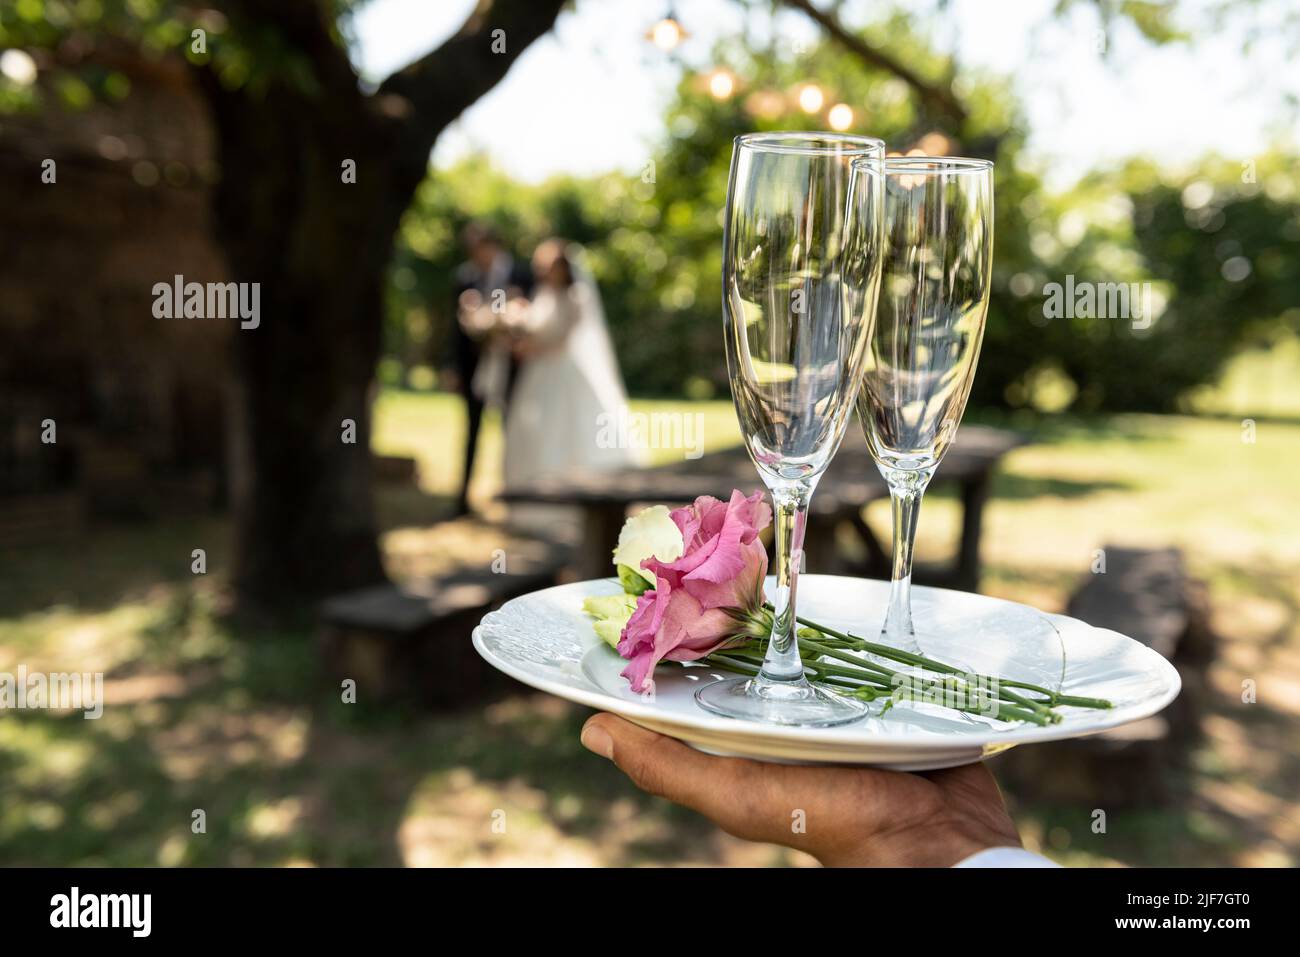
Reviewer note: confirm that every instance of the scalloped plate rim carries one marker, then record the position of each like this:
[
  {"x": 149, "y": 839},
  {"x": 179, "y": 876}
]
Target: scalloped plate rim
[{"x": 841, "y": 738}]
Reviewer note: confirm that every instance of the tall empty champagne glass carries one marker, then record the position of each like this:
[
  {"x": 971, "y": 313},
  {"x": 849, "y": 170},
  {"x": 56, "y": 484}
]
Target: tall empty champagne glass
[
  {"x": 934, "y": 294},
  {"x": 801, "y": 263}
]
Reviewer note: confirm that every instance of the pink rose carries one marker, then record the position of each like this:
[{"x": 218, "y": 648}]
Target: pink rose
[{"x": 722, "y": 567}]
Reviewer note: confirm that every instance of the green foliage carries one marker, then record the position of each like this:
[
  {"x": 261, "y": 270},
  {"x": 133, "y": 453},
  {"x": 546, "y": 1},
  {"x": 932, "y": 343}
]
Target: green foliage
[
  {"x": 1218, "y": 250},
  {"x": 1233, "y": 263},
  {"x": 633, "y": 582},
  {"x": 653, "y": 241},
  {"x": 1154, "y": 19},
  {"x": 246, "y": 54},
  {"x": 653, "y": 235}
]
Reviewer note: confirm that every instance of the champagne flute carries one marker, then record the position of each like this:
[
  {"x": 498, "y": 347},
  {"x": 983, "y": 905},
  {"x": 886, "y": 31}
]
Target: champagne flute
[
  {"x": 934, "y": 295},
  {"x": 801, "y": 266}
]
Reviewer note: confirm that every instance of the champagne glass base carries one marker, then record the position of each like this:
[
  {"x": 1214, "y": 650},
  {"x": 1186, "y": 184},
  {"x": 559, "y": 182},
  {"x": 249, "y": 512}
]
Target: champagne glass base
[
  {"x": 915, "y": 641},
  {"x": 795, "y": 703}
]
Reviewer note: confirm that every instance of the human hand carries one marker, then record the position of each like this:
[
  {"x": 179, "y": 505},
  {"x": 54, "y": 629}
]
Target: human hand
[
  {"x": 469, "y": 300},
  {"x": 516, "y": 314},
  {"x": 851, "y": 817},
  {"x": 475, "y": 318}
]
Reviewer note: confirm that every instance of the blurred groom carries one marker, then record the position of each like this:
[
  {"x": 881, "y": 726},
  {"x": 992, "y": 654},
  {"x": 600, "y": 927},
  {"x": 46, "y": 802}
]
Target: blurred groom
[{"x": 493, "y": 274}]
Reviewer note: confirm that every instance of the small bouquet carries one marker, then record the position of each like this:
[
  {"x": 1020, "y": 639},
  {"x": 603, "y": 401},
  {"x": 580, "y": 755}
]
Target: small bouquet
[{"x": 693, "y": 591}]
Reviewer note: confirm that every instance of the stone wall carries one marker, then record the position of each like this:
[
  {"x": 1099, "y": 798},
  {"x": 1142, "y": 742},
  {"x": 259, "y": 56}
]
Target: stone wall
[{"x": 137, "y": 401}]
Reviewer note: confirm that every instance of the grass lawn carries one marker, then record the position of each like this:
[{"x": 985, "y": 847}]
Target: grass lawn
[
  {"x": 1261, "y": 383},
  {"x": 431, "y": 428},
  {"x": 240, "y": 726}
]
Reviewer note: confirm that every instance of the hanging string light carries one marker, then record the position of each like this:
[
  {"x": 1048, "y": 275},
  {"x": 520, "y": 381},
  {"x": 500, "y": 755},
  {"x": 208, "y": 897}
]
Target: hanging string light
[
  {"x": 765, "y": 104},
  {"x": 668, "y": 33},
  {"x": 840, "y": 116},
  {"x": 722, "y": 84},
  {"x": 810, "y": 97},
  {"x": 933, "y": 143}
]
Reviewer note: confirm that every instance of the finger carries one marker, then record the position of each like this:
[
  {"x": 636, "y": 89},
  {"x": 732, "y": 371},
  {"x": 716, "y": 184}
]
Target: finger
[
  {"x": 728, "y": 791},
  {"x": 972, "y": 791},
  {"x": 974, "y": 780}
]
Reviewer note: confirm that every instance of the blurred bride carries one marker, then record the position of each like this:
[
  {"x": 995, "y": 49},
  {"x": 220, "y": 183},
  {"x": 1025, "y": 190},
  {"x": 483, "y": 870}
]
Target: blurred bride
[{"x": 569, "y": 388}]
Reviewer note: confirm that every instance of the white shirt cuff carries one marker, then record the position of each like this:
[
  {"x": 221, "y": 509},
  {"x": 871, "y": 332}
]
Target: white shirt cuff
[{"x": 1006, "y": 857}]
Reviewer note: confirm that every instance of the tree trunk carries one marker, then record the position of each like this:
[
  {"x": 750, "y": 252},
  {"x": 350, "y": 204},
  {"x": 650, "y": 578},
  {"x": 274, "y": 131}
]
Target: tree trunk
[
  {"x": 318, "y": 247},
  {"x": 302, "y": 496}
]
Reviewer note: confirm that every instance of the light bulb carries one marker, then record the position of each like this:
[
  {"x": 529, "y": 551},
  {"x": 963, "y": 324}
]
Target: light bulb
[
  {"x": 666, "y": 34},
  {"x": 811, "y": 98},
  {"x": 840, "y": 117}
]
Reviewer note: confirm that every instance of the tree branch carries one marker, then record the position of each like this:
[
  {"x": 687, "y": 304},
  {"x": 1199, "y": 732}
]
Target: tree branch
[
  {"x": 937, "y": 97},
  {"x": 306, "y": 26},
  {"x": 441, "y": 85}
]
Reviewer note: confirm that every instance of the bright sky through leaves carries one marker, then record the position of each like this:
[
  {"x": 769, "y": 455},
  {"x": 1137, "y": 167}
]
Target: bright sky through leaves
[{"x": 590, "y": 97}]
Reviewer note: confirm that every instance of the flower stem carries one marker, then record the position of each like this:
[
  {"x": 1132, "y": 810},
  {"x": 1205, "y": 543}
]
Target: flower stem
[
  {"x": 932, "y": 687},
  {"x": 882, "y": 682},
  {"x": 1035, "y": 707},
  {"x": 848, "y": 673},
  {"x": 916, "y": 660}
]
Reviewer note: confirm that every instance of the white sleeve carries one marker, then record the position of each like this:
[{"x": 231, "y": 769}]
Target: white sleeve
[
  {"x": 1006, "y": 857},
  {"x": 551, "y": 319}
]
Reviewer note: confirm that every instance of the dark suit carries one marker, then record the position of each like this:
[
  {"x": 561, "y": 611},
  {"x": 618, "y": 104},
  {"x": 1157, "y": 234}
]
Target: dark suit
[{"x": 467, "y": 351}]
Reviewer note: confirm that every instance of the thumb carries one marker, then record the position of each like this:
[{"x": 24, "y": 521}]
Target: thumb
[{"x": 666, "y": 768}]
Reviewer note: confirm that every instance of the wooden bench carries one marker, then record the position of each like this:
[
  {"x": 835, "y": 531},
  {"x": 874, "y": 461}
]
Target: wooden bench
[
  {"x": 410, "y": 641},
  {"x": 851, "y": 481},
  {"x": 27, "y": 520},
  {"x": 396, "y": 470},
  {"x": 1147, "y": 595}
]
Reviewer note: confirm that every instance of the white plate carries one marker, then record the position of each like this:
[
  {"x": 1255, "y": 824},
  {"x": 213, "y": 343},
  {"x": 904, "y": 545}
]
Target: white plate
[{"x": 545, "y": 640}]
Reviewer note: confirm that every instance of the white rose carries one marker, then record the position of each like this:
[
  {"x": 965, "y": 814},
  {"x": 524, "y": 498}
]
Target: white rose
[{"x": 650, "y": 532}]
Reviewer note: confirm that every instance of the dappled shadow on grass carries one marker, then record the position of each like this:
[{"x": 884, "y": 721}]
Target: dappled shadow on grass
[
  {"x": 179, "y": 733},
  {"x": 1271, "y": 732},
  {"x": 1271, "y": 582},
  {"x": 1234, "y": 802},
  {"x": 1045, "y": 587},
  {"x": 108, "y": 564},
  {"x": 1233, "y": 810},
  {"x": 239, "y": 725},
  {"x": 522, "y": 758},
  {"x": 402, "y": 506},
  {"x": 1138, "y": 837},
  {"x": 277, "y": 788},
  {"x": 216, "y": 715},
  {"x": 1012, "y": 485},
  {"x": 1043, "y": 429}
]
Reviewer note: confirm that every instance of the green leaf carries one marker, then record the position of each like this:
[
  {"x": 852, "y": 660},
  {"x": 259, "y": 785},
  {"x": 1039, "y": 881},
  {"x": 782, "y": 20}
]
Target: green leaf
[
  {"x": 609, "y": 632},
  {"x": 611, "y": 613},
  {"x": 633, "y": 581}
]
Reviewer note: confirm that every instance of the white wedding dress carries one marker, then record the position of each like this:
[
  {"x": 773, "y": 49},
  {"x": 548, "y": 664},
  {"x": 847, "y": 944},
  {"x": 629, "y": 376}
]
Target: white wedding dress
[{"x": 568, "y": 398}]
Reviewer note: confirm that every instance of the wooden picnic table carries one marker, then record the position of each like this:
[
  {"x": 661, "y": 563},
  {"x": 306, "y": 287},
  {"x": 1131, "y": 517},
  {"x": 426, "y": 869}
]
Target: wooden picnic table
[{"x": 851, "y": 481}]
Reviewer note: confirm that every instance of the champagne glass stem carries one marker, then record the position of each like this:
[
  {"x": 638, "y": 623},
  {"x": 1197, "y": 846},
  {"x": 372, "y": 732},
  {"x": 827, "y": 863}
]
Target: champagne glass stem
[
  {"x": 782, "y": 663},
  {"x": 906, "y": 489}
]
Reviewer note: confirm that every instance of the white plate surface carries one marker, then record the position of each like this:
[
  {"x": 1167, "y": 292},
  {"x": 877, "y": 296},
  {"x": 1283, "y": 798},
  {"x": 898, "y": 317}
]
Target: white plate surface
[{"x": 545, "y": 640}]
